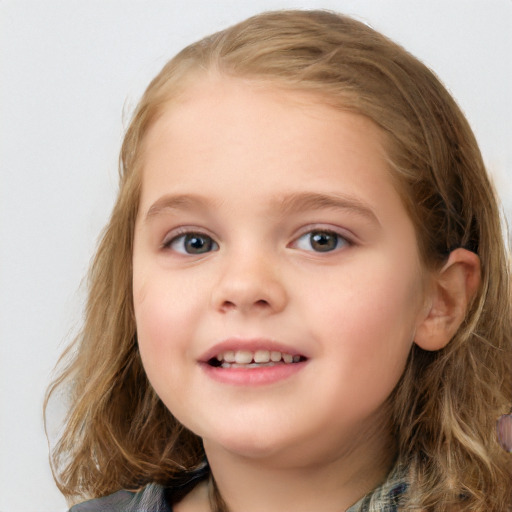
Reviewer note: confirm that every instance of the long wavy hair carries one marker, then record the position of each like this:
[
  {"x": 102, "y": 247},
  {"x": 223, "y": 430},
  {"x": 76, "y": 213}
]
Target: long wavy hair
[{"x": 118, "y": 434}]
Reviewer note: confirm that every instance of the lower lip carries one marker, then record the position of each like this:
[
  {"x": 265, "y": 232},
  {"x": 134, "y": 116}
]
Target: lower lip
[{"x": 261, "y": 376}]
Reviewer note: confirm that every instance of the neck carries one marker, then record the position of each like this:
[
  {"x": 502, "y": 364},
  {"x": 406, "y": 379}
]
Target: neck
[{"x": 286, "y": 483}]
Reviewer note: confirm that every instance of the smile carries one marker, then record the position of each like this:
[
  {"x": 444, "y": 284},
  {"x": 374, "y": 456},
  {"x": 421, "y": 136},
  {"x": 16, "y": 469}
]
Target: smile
[
  {"x": 250, "y": 359},
  {"x": 252, "y": 362}
]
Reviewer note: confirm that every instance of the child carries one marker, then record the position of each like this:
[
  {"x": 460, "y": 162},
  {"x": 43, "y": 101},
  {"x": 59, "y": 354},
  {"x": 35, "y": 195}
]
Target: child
[{"x": 301, "y": 301}]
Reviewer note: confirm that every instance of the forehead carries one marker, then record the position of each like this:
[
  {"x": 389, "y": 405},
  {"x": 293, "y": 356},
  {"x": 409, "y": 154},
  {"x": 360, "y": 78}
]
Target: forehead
[
  {"x": 206, "y": 94},
  {"x": 247, "y": 113},
  {"x": 262, "y": 138}
]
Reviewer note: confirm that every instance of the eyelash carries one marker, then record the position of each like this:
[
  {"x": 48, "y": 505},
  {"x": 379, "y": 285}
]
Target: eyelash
[
  {"x": 322, "y": 237},
  {"x": 339, "y": 240},
  {"x": 181, "y": 236}
]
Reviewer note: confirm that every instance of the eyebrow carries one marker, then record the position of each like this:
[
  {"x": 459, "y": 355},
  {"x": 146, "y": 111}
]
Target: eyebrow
[
  {"x": 307, "y": 201},
  {"x": 286, "y": 205},
  {"x": 178, "y": 202}
]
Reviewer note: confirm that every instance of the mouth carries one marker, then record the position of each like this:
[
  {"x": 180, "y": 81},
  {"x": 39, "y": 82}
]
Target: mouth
[
  {"x": 249, "y": 362},
  {"x": 248, "y": 359}
]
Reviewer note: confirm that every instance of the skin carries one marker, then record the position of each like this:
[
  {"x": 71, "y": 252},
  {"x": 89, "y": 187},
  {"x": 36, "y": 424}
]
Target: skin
[{"x": 242, "y": 158}]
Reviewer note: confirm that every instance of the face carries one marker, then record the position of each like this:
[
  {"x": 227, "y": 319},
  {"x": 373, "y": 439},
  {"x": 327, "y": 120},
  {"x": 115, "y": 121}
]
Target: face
[{"x": 276, "y": 278}]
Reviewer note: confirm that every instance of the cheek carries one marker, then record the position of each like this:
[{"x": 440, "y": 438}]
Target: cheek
[
  {"x": 168, "y": 310},
  {"x": 162, "y": 332},
  {"x": 371, "y": 318},
  {"x": 157, "y": 317}
]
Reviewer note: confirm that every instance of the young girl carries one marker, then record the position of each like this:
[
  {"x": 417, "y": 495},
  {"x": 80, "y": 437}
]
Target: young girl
[{"x": 301, "y": 301}]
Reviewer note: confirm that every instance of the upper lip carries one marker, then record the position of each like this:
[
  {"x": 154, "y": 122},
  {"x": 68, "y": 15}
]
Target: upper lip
[{"x": 249, "y": 344}]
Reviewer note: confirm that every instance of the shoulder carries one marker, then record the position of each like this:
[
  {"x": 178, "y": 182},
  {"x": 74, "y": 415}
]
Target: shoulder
[{"x": 149, "y": 499}]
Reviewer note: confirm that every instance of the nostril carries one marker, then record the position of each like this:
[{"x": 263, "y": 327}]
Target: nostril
[{"x": 228, "y": 305}]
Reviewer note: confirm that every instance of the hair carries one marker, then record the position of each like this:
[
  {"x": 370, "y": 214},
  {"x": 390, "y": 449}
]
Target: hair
[{"x": 118, "y": 434}]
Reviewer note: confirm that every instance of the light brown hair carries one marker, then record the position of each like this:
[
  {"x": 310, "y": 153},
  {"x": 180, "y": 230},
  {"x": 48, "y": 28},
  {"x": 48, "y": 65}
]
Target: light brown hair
[{"x": 118, "y": 433}]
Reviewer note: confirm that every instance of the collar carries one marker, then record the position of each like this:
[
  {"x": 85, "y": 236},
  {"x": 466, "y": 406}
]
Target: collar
[{"x": 386, "y": 497}]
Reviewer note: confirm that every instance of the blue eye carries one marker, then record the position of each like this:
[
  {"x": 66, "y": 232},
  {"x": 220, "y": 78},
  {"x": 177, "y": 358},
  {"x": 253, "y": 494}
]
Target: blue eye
[
  {"x": 320, "y": 241},
  {"x": 192, "y": 243}
]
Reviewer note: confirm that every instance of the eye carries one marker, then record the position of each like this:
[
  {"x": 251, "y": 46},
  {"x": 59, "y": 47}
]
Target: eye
[
  {"x": 321, "y": 241},
  {"x": 192, "y": 243}
]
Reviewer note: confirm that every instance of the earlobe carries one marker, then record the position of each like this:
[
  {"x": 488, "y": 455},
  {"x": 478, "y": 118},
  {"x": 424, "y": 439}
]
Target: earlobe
[{"x": 452, "y": 289}]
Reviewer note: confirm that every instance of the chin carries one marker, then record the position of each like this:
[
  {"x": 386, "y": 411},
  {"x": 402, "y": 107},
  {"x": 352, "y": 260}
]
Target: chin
[
  {"x": 248, "y": 444},
  {"x": 279, "y": 452},
  {"x": 252, "y": 443}
]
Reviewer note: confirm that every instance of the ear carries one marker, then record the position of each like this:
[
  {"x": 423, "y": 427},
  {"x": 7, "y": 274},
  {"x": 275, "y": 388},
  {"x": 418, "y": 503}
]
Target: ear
[{"x": 451, "y": 291}]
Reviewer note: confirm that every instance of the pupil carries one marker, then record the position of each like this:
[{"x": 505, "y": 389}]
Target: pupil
[
  {"x": 197, "y": 244},
  {"x": 323, "y": 242}
]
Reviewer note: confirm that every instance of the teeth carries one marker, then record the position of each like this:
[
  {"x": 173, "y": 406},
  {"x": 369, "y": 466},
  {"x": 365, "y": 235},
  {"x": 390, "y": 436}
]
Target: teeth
[
  {"x": 243, "y": 357},
  {"x": 229, "y": 356},
  {"x": 261, "y": 356},
  {"x": 275, "y": 356},
  {"x": 287, "y": 358},
  {"x": 235, "y": 359},
  {"x": 251, "y": 365}
]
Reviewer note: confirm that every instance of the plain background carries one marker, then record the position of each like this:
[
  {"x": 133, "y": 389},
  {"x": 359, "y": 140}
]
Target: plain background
[{"x": 71, "y": 73}]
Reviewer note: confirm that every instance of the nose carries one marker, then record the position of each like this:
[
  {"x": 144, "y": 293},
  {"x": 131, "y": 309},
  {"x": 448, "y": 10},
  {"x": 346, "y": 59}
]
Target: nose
[{"x": 249, "y": 283}]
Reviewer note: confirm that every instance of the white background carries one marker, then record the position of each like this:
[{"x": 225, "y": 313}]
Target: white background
[{"x": 70, "y": 74}]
